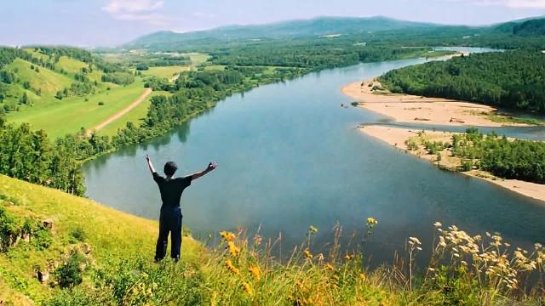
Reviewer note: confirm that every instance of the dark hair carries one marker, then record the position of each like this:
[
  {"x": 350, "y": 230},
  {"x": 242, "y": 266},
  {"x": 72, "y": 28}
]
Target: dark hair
[{"x": 170, "y": 168}]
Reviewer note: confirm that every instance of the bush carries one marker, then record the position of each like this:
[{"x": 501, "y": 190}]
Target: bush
[
  {"x": 70, "y": 273},
  {"x": 78, "y": 235}
]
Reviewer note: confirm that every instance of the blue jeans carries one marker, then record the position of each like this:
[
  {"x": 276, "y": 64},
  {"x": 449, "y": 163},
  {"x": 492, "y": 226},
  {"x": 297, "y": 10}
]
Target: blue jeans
[{"x": 170, "y": 221}]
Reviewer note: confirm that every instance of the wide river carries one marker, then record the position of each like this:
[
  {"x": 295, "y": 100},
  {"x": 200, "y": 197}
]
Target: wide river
[{"x": 290, "y": 156}]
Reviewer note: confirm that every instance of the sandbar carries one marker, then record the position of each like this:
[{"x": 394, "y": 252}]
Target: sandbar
[{"x": 397, "y": 137}]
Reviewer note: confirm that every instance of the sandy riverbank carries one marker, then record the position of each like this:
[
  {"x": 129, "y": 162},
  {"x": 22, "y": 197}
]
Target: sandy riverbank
[
  {"x": 417, "y": 109},
  {"x": 398, "y": 136}
]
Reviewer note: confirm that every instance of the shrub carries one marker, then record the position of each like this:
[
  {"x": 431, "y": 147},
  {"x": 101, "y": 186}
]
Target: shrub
[
  {"x": 70, "y": 273},
  {"x": 78, "y": 234}
]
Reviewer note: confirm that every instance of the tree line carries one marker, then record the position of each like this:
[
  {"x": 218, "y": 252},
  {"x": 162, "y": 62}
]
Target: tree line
[
  {"x": 513, "y": 80},
  {"x": 511, "y": 159}
]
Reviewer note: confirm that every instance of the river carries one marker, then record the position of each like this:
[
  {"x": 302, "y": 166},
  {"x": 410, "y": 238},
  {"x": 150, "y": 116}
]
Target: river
[{"x": 290, "y": 156}]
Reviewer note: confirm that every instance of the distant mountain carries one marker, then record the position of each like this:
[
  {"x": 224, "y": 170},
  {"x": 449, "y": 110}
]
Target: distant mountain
[
  {"x": 530, "y": 27},
  {"x": 316, "y": 27},
  {"x": 523, "y": 27}
]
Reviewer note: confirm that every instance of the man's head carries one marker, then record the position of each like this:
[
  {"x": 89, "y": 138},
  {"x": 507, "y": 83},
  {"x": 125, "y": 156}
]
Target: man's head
[{"x": 170, "y": 168}]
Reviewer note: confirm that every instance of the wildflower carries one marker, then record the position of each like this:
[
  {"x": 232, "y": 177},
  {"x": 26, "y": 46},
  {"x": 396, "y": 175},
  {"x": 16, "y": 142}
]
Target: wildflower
[
  {"x": 248, "y": 288},
  {"x": 414, "y": 241},
  {"x": 371, "y": 221},
  {"x": 256, "y": 272},
  {"x": 349, "y": 257},
  {"x": 437, "y": 224},
  {"x": 227, "y": 236},
  {"x": 258, "y": 239},
  {"x": 307, "y": 253},
  {"x": 233, "y": 249},
  {"x": 320, "y": 257},
  {"x": 329, "y": 267},
  {"x": 231, "y": 267},
  {"x": 312, "y": 229}
]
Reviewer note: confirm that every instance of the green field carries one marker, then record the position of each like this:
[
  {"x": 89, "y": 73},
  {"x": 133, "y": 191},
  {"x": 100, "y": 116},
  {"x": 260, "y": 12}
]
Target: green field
[
  {"x": 136, "y": 115},
  {"x": 198, "y": 58},
  {"x": 69, "y": 115},
  {"x": 165, "y": 72},
  {"x": 70, "y": 65}
]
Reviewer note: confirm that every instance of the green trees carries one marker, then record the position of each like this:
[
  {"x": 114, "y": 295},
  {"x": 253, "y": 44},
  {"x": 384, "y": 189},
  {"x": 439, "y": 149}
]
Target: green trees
[
  {"x": 30, "y": 156},
  {"x": 120, "y": 78},
  {"x": 517, "y": 159},
  {"x": 512, "y": 80}
]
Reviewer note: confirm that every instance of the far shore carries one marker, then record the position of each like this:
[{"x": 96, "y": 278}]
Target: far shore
[
  {"x": 397, "y": 138},
  {"x": 416, "y": 109}
]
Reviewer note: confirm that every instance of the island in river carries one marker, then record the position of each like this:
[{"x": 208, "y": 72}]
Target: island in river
[{"x": 437, "y": 111}]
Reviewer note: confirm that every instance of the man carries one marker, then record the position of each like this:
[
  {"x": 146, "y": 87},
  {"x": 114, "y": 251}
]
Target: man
[{"x": 170, "y": 220}]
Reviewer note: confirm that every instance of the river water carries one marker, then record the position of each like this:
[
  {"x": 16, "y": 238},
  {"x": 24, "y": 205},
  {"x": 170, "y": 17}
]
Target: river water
[{"x": 290, "y": 156}]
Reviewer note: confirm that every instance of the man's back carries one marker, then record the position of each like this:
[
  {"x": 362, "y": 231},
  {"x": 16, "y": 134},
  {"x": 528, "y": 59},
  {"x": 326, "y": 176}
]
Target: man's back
[{"x": 171, "y": 189}]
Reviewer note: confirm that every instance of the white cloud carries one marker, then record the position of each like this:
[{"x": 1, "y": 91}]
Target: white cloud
[{"x": 137, "y": 10}]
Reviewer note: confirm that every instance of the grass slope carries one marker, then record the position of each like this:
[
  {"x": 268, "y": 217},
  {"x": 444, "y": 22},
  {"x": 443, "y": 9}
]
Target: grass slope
[
  {"x": 49, "y": 82},
  {"x": 112, "y": 236},
  {"x": 59, "y": 118}
]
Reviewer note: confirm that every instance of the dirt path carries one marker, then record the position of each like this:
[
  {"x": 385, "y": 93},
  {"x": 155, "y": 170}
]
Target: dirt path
[{"x": 121, "y": 113}]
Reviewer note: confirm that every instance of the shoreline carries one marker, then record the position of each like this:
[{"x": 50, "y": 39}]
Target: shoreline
[
  {"x": 396, "y": 137},
  {"x": 405, "y": 108}
]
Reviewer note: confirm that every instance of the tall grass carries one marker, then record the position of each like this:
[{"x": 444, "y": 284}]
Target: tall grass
[{"x": 241, "y": 270}]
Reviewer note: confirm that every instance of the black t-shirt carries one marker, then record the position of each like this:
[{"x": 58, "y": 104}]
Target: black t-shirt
[{"x": 171, "y": 190}]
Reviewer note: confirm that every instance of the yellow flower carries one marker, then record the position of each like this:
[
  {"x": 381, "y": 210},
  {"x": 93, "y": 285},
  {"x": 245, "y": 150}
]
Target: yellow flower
[
  {"x": 372, "y": 221},
  {"x": 233, "y": 249},
  {"x": 227, "y": 236},
  {"x": 231, "y": 267},
  {"x": 307, "y": 253},
  {"x": 248, "y": 288},
  {"x": 256, "y": 272},
  {"x": 329, "y": 267},
  {"x": 312, "y": 229}
]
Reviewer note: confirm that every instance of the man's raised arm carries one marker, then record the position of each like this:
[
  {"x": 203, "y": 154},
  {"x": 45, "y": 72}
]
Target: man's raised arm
[
  {"x": 211, "y": 167},
  {"x": 150, "y": 165}
]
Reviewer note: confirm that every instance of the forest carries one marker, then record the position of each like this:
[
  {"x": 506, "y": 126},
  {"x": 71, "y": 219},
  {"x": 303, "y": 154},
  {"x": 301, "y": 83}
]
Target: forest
[
  {"x": 314, "y": 55},
  {"x": 512, "y": 80}
]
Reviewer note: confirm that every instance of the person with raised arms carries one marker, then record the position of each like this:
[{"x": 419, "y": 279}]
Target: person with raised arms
[{"x": 170, "y": 220}]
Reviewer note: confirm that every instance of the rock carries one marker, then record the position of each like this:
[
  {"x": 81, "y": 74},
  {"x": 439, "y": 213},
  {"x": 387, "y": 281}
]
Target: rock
[
  {"x": 42, "y": 276},
  {"x": 25, "y": 237},
  {"x": 48, "y": 224},
  {"x": 86, "y": 248}
]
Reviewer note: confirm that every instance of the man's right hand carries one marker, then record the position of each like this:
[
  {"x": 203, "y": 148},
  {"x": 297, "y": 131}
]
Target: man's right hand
[{"x": 211, "y": 166}]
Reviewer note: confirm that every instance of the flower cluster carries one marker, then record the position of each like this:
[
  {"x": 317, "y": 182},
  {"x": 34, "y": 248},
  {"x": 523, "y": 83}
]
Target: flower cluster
[{"x": 490, "y": 260}]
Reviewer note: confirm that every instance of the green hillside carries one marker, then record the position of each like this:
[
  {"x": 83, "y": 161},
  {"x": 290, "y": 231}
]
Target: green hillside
[
  {"x": 79, "y": 225},
  {"x": 61, "y": 90},
  {"x": 41, "y": 80},
  {"x": 70, "y": 115}
]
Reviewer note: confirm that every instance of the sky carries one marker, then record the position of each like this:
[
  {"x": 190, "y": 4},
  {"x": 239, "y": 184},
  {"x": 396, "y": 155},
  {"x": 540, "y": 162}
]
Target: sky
[{"x": 108, "y": 23}]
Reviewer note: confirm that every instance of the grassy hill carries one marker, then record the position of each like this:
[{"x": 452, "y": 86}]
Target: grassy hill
[
  {"x": 62, "y": 90},
  {"x": 78, "y": 224},
  {"x": 41, "y": 80}
]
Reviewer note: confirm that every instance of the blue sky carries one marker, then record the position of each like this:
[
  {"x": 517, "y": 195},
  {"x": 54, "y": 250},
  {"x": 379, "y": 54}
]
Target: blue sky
[{"x": 113, "y": 22}]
